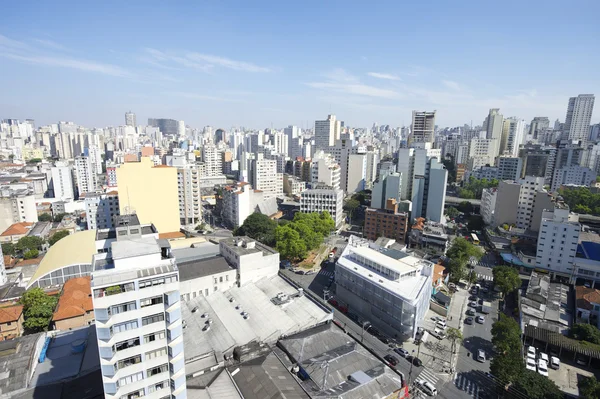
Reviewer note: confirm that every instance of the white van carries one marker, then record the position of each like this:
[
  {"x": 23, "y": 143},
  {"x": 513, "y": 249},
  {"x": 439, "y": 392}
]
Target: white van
[
  {"x": 426, "y": 387},
  {"x": 441, "y": 324}
]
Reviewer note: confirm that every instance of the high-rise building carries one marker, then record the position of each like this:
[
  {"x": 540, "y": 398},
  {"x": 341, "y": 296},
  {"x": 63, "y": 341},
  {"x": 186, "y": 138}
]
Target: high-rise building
[
  {"x": 85, "y": 172},
  {"x": 62, "y": 181},
  {"x": 151, "y": 191},
  {"x": 509, "y": 168},
  {"x": 356, "y": 176},
  {"x": 166, "y": 126},
  {"x": 324, "y": 169},
  {"x": 136, "y": 299},
  {"x": 482, "y": 152},
  {"x": 538, "y": 125},
  {"x": 579, "y": 115},
  {"x": 493, "y": 129},
  {"x": 264, "y": 177},
  {"x": 572, "y": 175},
  {"x": 101, "y": 209},
  {"x": 93, "y": 152},
  {"x": 327, "y": 132},
  {"x": 389, "y": 185},
  {"x": 190, "y": 195},
  {"x": 211, "y": 156},
  {"x": 513, "y": 135},
  {"x": 436, "y": 192},
  {"x": 423, "y": 127},
  {"x": 557, "y": 241},
  {"x": 130, "y": 119},
  {"x": 324, "y": 198}
]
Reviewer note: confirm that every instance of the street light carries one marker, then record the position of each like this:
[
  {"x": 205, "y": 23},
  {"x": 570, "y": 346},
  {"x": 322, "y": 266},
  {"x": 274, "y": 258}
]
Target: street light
[{"x": 365, "y": 326}]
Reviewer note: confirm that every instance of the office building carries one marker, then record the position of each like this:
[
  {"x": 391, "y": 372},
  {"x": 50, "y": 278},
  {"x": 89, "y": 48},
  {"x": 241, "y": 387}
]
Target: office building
[
  {"x": 509, "y": 168},
  {"x": 101, "y": 209},
  {"x": 390, "y": 288},
  {"x": 294, "y": 146},
  {"x": 423, "y": 127},
  {"x": 325, "y": 170},
  {"x": 538, "y": 125},
  {"x": 62, "y": 181},
  {"x": 577, "y": 120},
  {"x": 436, "y": 192},
  {"x": 85, "y": 175},
  {"x": 166, "y": 126},
  {"x": 327, "y": 132},
  {"x": 389, "y": 185},
  {"x": 482, "y": 152},
  {"x": 151, "y": 191},
  {"x": 386, "y": 222},
  {"x": 538, "y": 160},
  {"x": 574, "y": 175},
  {"x": 252, "y": 259},
  {"x": 324, "y": 198},
  {"x": 557, "y": 241},
  {"x": 130, "y": 119},
  {"x": 135, "y": 287}
]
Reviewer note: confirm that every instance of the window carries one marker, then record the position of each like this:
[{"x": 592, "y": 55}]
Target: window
[
  {"x": 121, "y": 308},
  {"x": 157, "y": 370},
  {"x": 131, "y": 378},
  {"x": 154, "y": 336},
  {"x": 157, "y": 281},
  {"x": 151, "y": 301},
  {"x": 125, "y": 326},
  {"x": 156, "y": 353},
  {"x": 129, "y": 361},
  {"x": 153, "y": 319},
  {"x": 130, "y": 343},
  {"x": 133, "y": 395},
  {"x": 221, "y": 279},
  {"x": 158, "y": 387}
]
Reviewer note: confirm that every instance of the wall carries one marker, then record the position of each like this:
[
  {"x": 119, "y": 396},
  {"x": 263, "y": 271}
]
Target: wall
[
  {"x": 192, "y": 288},
  {"x": 74, "y": 322}
]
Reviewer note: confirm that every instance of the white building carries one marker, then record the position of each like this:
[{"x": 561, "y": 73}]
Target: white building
[
  {"x": 211, "y": 156},
  {"x": 100, "y": 210},
  {"x": 189, "y": 179},
  {"x": 238, "y": 203},
  {"x": 423, "y": 127},
  {"x": 513, "y": 135},
  {"x": 85, "y": 174},
  {"x": 95, "y": 158},
  {"x": 493, "y": 128},
  {"x": 130, "y": 119},
  {"x": 252, "y": 259},
  {"x": 17, "y": 206},
  {"x": 294, "y": 148},
  {"x": 62, "y": 181},
  {"x": 530, "y": 185},
  {"x": 572, "y": 175},
  {"x": 391, "y": 291},
  {"x": 481, "y": 153},
  {"x": 356, "y": 176},
  {"x": 557, "y": 241},
  {"x": 135, "y": 286},
  {"x": 327, "y": 132},
  {"x": 324, "y": 199},
  {"x": 577, "y": 120},
  {"x": 264, "y": 177},
  {"x": 436, "y": 196},
  {"x": 488, "y": 204},
  {"x": 292, "y": 185},
  {"x": 509, "y": 168},
  {"x": 325, "y": 170}
]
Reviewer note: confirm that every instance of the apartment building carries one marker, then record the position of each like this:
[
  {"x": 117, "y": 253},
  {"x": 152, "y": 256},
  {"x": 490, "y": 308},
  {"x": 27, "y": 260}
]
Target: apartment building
[
  {"x": 327, "y": 132},
  {"x": 488, "y": 205},
  {"x": 190, "y": 196},
  {"x": 574, "y": 175},
  {"x": 509, "y": 168},
  {"x": 325, "y": 170},
  {"x": 324, "y": 198},
  {"x": 389, "y": 185},
  {"x": 264, "y": 177},
  {"x": 62, "y": 181},
  {"x": 85, "y": 175},
  {"x": 557, "y": 241},
  {"x": 386, "y": 222},
  {"x": 100, "y": 209}
]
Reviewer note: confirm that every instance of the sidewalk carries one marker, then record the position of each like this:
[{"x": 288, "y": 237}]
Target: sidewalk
[{"x": 456, "y": 315}]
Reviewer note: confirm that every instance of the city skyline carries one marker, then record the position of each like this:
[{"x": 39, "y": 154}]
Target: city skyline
[{"x": 222, "y": 65}]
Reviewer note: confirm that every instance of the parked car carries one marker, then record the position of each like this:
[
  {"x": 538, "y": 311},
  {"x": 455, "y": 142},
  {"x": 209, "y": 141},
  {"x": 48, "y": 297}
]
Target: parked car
[
  {"x": 543, "y": 356},
  {"x": 439, "y": 333},
  {"x": 542, "y": 368},
  {"x": 480, "y": 319},
  {"x": 473, "y": 304},
  {"x": 530, "y": 364},
  {"x": 414, "y": 360},
  {"x": 531, "y": 352},
  {"x": 470, "y": 312},
  {"x": 581, "y": 361},
  {"x": 469, "y": 320},
  {"x": 441, "y": 324},
  {"x": 392, "y": 360},
  {"x": 426, "y": 387},
  {"x": 481, "y": 356},
  {"x": 554, "y": 363},
  {"x": 402, "y": 352}
]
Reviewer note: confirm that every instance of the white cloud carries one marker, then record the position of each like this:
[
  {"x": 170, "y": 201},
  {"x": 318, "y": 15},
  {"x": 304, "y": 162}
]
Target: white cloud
[
  {"x": 227, "y": 63},
  {"x": 354, "y": 88},
  {"x": 90, "y": 66},
  {"x": 50, "y": 44},
  {"x": 11, "y": 44},
  {"x": 451, "y": 85},
  {"x": 203, "y": 62},
  {"x": 386, "y": 76}
]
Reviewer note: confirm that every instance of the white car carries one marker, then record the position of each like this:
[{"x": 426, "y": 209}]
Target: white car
[
  {"x": 531, "y": 352},
  {"x": 481, "y": 356},
  {"x": 554, "y": 363},
  {"x": 530, "y": 364},
  {"x": 426, "y": 387},
  {"x": 543, "y": 357},
  {"x": 542, "y": 368},
  {"x": 441, "y": 324}
]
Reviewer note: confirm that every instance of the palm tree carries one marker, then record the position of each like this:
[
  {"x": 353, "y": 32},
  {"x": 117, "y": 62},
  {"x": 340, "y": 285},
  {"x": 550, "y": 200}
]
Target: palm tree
[{"x": 454, "y": 334}]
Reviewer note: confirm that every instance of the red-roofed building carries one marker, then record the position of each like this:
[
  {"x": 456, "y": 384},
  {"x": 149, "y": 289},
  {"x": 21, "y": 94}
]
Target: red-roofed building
[
  {"x": 11, "y": 322},
  {"x": 75, "y": 308},
  {"x": 587, "y": 302},
  {"x": 15, "y": 232}
]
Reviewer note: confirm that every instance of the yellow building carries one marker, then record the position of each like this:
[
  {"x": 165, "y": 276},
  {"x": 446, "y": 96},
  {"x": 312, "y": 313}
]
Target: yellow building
[
  {"x": 151, "y": 192},
  {"x": 30, "y": 153}
]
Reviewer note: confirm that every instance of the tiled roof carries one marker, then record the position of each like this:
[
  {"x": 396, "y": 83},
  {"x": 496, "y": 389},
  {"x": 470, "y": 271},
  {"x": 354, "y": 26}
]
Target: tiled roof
[
  {"x": 11, "y": 313},
  {"x": 586, "y": 296},
  {"x": 17, "y": 229},
  {"x": 171, "y": 235},
  {"x": 75, "y": 300},
  {"x": 27, "y": 262}
]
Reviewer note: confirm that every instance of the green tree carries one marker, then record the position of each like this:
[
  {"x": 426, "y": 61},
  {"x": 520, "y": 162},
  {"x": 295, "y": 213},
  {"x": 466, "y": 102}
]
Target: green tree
[
  {"x": 350, "y": 206},
  {"x": 31, "y": 254},
  {"x": 452, "y": 212},
  {"x": 465, "y": 207},
  {"x": 589, "y": 388},
  {"x": 59, "y": 235},
  {"x": 454, "y": 335},
  {"x": 59, "y": 217},
  {"x": 34, "y": 160},
  {"x": 259, "y": 227},
  {"x": 45, "y": 217},
  {"x": 580, "y": 208},
  {"x": 536, "y": 386},
  {"x": 472, "y": 279},
  {"x": 8, "y": 248},
  {"x": 29, "y": 242},
  {"x": 508, "y": 364},
  {"x": 289, "y": 244},
  {"x": 460, "y": 254},
  {"x": 585, "y": 332},
  {"x": 311, "y": 238},
  {"x": 466, "y": 193},
  {"x": 38, "y": 308},
  {"x": 506, "y": 278},
  {"x": 449, "y": 165}
]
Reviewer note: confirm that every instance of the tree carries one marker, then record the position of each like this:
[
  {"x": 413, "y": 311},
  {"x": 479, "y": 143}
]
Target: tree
[
  {"x": 38, "y": 308},
  {"x": 506, "y": 278},
  {"x": 45, "y": 217},
  {"x": 59, "y": 217},
  {"x": 29, "y": 242},
  {"x": 449, "y": 165},
  {"x": 200, "y": 226},
  {"x": 507, "y": 365},
  {"x": 8, "y": 248},
  {"x": 452, "y": 212},
  {"x": 465, "y": 207},
  {"x": 289, "y": 244},
  {"x": 34, "y": 160},
  {"x": 466, "y": 193},
  {"x": 350, "y": 206},
  {"x": 31, "y": 254},
  {"x": 259, "y": 227},
  {"x": 585, "y": 332},
  {"x": 589, "y": 388},
  {"x": 475, "y": 223},
  {"x": 454, "y": 335},
  {"x": 536, "y": 386},
  {"x": 460, "y": 253},
  {"x": 472, "y": 277},
  {"x": 59, "y": 235}
]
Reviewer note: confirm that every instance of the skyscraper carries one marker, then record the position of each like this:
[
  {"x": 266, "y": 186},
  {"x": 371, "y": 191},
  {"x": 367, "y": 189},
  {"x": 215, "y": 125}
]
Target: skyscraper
[
  {"x": 579, "y": 114},
  {"x": 538, "y": 125},
  {"x": 327, "y": 132},
  {"x": 130, "y": 119},
  {"x": 513, "y": 135},
  {"x": 493, "y": 129},
  {"x": 423, "y": 127}
]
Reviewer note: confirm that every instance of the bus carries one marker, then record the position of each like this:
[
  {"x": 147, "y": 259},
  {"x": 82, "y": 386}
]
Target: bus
[{"x": 475, "y": 239}]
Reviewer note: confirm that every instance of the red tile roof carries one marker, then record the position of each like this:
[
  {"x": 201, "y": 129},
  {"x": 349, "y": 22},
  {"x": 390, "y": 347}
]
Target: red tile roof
[
  {"x": 10, "y": 313},
  {"x": 76, "y": 299},
  {"x": 584, "y": 297},
  {"x": 171, "y": 235},
  {"x": 17, "y": 229}
]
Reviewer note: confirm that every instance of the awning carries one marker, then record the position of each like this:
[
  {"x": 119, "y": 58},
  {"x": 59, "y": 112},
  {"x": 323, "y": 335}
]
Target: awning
[{"x": 513, "y": 260}]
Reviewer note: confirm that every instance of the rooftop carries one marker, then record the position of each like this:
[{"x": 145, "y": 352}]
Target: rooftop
[
  {"x": 586, "y": 297},
  {"x": 246, "y": 245},
  {"x": 588, "y": 250},
  {"x": 17, "y": 229},
  {"x": 202, "y": 267},
  {"x": 10, "y": 313},
  {"x": 75, "y": 300},
  {"x": 133, "y": 247}
]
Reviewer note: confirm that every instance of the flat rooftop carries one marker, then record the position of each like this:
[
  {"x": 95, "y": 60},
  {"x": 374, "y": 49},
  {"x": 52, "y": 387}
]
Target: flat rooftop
[
  {"x": 129, "y": 248},
  {"x": 192, "y": 269},
  {"x": 266, "y": 322},
  {"x": 588, "y": 250},
  {"x": 238, "y": 245}
]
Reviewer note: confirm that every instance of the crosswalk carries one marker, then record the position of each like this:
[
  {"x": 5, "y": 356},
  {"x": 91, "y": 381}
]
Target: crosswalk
[
  {"x": 462, "y": 382},
  {"x": 326, "y": 273},
  {"x": 484, "y": 264},
  {"x": 485, "y": 277},
  {"x": 428, "y": 375}
]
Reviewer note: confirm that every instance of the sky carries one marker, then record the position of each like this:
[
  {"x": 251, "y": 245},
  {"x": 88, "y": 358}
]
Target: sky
[{"x": 276, "y": 63}]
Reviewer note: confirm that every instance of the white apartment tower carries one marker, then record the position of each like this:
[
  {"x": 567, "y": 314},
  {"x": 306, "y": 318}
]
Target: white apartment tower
[
  {"x": 264, "y": 177},
  {"x": 579, "y": 114},
  {"x": 327, "y": 132},
  {"x": 513, "y": 135},
  {"x": 324, "y": 169},
  {"x": 100, "y": 210},
  {"x": 557, "y": 241},
  {"x": 190, "y": 195},
  {"x": 211, "y": 156},
  {"x": 530, "y": 185},
  {"x": 493, "y": 128},
  {"x": 62, "y": 181},
  {"x": 423, "y": 127},
  {"x": 135, "y": 287},
  {"x": 85, "y": 173}
]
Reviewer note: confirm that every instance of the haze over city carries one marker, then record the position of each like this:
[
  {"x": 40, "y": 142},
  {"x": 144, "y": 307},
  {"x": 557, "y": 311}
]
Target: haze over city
[{"x": 229, "y": 64}]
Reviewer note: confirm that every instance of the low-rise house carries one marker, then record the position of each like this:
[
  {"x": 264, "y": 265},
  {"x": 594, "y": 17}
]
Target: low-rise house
[
  {"x": 11, "y": 322},
  {"x": 587, "y": 302},
  {"x": 75, "y": 308},
  {"x": 15, "y": 232}
]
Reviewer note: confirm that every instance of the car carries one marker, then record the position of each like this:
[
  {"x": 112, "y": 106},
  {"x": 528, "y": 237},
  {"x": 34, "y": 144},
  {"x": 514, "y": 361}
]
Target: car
[
  {"x": 426, "y": 387},
  {"x": 531, "y": 352},
  {"x": 542, "y": 368},
  {"x": 530, "y": 364},
  {"x": 308, "y": 273},
  {"x": 414, "y": 360},
  {"x": 402, "y": 352},
  {"x": 543, "y": 356},
  {"x": 470, "y": 312},
  {"x": 392, "y": 360},
  {"x": 473, "y": 304},
  {"x": 469, "y": 320},
  {"x": 206, "y": 327},
  {"x": 480, "y": 319},
  {"x": 581, "y": 361},
  {"x": 481, "y": 356},
  {"x": 473, "y": 298},
  {"x": 384, "y": 340},
  {"x": 441, "y": 324},
  {"x": 301, "y": 272},
  {"x": 554, "y": 363},
  {"x": 438, "y": 333}
]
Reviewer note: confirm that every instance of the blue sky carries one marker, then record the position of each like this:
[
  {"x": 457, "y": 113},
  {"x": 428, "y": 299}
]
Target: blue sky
[{"x": 258, "y": 64}]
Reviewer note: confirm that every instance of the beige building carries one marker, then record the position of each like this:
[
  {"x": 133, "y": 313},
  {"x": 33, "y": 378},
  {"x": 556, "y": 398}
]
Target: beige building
[
  {"x": 11, "y": 322},
  {"x": 151, "y": 192},
  {"x": 75, "y": 308}
]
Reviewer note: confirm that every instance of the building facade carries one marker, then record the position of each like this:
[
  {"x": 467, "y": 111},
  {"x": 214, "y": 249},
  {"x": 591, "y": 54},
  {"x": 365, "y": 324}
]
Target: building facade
[
  {"x": 386, "y": 222},
  {"x": 557, "y": 242},
  {"x": 324, "y": 199}
]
